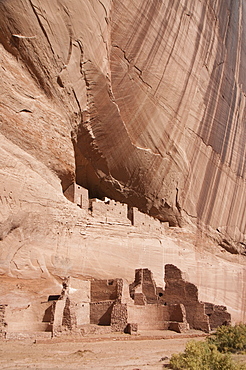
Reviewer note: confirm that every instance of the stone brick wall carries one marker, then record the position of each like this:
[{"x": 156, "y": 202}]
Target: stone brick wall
[
  {"x": 119, "y": 317},
  {"x": 143, "y": 289},
  {"x": 106, "y": 290},
  {"x": 110, "y": 211},
  {"x": 68, "y": 320},
  {"x": 78, "y": 195},
  {"x": 72, "y": 310},
  {"x": 218, "y": 315},
  {"x": 57, "y": 316},
  {"x": 100, "y": 313},
  {"x": 145, "y": 222},
  {"x": 179, "y": 327},
  {"x": 196, "y": 316},
  {"x": 149, "y": 317},
  {"x": 177, "y": 312},
  {"x": 131, "y": 328},
  {"x": 100, "y": 302},
  {"x": 117, "y": 213},
  {"x": 82, "y": 313},
  {"x": 3, "y": 324},
  {"x": 177, "y": 291}
]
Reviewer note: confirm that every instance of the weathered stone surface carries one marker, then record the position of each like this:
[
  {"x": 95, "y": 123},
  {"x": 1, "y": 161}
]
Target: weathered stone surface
[
  {"x": 149, "y": 317},
  {"x": 179, "y": 327},
  {"x": 83, "y": 305},
  {"x": 143, "y": 102},
  {"x": 179, "y": 291},
  {"x": 3, "y": 324},
  {"x": 143, "y": 286},
  {"x": 100, "y": 312},
  {"x": 119, "y": 317},
  {"x": 131, "y": 328},
  {"x": 218, "y": 315}
]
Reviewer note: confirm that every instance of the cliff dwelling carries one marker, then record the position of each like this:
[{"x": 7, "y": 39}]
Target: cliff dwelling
[
  {"x": 122, "y": 166},
  {"x": 111, "y": 211}
]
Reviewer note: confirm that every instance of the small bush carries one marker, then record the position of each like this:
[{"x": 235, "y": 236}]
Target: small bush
[
  {"x": 229, "y": 338},
  {"x": 203, "y": 356}
]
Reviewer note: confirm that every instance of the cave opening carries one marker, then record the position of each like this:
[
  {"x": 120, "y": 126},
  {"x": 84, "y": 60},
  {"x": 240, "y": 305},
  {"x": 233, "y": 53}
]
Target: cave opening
[
  {"x": 85, "y": 176},
  {"x": 54, "y": 297},
  {"x": 93, "y": 174}
]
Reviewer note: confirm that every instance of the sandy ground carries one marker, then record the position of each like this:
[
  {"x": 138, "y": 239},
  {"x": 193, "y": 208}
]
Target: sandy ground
[{"x": 91, "y": 353}]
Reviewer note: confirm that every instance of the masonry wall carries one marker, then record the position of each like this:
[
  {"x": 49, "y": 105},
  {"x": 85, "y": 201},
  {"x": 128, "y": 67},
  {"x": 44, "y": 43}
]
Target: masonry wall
[
  {"x": 27, "y": 317},
  {"x": 177, "y": 312},
  {"x": 143, "y": 289},
  {"x": 57, "y": 316},
  {"x": 78, "y": 195},
  {"x": 110, "y": 211},
  {"x": 82, "y": 312},
  {"x": 177, "y": 291},
  {"x": 149, "y": 317},
  {"x": 119, "y": 317},
  {"x": 145, "y": 222},
  {"x": 100, "y": 313},
  {"x": 196, "y": 316},
  {"x": 117, "y": 212},
  {"x": 72, "y": 310},
  {"x": 218, "y": 315},
  {"x": 105, "y": 290},
  {"x": 3, "y": 324}
]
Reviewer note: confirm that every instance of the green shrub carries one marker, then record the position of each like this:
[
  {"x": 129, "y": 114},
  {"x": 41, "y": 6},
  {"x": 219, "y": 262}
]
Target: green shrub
[
  {"x": 203, "y": 356},
  {"x": 229, "y": 338}
]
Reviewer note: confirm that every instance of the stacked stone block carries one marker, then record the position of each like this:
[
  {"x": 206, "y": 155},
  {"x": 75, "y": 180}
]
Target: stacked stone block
[
  {"x": 119, "y": 317},
  {"x": 3, "y": 324}
]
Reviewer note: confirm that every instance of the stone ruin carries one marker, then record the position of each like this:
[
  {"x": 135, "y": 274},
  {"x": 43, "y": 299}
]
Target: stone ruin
[
  {"x": 218, "y": 315},
  {"x": 103, "y": 306},
  {"x": 110, "y": 211},
  {"x": 78, "y": 195},
  {"x": 3, "y": 324}
]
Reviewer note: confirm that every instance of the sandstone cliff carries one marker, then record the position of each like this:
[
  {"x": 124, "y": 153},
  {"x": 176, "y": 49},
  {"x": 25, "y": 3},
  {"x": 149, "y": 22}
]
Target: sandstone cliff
[{"x": 140, "y": 101}]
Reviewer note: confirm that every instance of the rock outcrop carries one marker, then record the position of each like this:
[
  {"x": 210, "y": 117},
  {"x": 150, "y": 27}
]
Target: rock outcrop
[{"x": 139, "y": 101}]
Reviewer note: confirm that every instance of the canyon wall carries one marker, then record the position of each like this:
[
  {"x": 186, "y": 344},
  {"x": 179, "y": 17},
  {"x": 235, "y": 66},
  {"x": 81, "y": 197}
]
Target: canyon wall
[{"x": 139, "y": 101}]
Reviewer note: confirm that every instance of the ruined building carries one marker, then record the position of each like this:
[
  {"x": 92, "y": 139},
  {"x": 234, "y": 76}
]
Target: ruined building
[
  {"x": 105, "y": 305},
  {"x": 142, "y": 305}
]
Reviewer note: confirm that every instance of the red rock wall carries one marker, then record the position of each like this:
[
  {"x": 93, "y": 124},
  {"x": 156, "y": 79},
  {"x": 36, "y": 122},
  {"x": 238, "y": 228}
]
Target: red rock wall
[
  {"x": 153, "y": 93},
  {"x": 141, "y": 101},
  {"x": 185, "y": 62}
]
